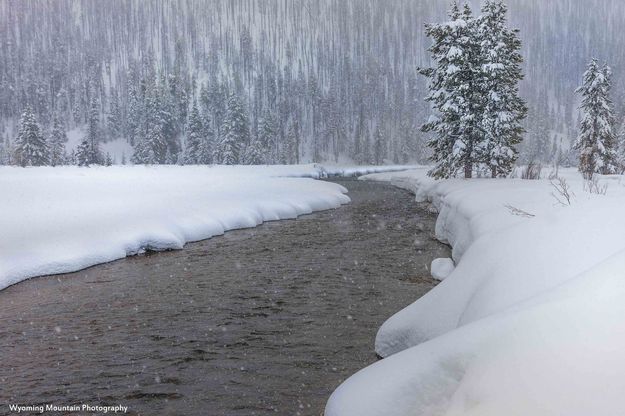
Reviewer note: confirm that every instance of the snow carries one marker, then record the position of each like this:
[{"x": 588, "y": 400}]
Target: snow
[
  {"x": 442, "y": 268},
  {"x": 57, "y": 220},
  {"x": 529, "y": 322}
]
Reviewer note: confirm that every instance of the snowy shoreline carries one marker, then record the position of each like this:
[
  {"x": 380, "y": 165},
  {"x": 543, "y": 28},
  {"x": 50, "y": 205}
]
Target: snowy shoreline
[
  {"x": 64, "y": 219},
  {"x": 529, "y": 322}
]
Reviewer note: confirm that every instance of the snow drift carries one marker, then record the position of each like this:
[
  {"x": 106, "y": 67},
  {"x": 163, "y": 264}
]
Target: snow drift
[
  {"x": 57, "y": 220},
  {"x": 529, "y": 322}
]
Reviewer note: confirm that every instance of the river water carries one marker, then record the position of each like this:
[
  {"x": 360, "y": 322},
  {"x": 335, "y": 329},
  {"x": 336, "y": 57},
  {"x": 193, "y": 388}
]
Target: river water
[{"x": 264, "y": 321}]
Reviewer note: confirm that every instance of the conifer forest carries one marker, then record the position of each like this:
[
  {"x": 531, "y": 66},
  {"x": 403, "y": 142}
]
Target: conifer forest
[{"x": 277, "y": 82}]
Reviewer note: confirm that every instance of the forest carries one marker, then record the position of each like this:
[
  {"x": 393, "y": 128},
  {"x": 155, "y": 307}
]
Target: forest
[{"x": 252, "y": 81}]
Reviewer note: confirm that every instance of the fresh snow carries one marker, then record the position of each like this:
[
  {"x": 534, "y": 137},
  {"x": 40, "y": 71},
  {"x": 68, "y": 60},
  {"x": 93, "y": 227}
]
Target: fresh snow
[
  {"x": 57, "y": 220},
  {"x": 530, "y": 322},
  {"x": 442, "y": 268}
]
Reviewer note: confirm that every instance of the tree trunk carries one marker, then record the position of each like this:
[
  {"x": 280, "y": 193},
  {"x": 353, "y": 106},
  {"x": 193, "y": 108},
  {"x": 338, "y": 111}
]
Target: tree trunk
[{"x": 468, "y": 170}]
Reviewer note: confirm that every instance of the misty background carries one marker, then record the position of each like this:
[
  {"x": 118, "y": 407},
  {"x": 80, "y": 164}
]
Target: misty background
[{"x": 331, "y": 80}]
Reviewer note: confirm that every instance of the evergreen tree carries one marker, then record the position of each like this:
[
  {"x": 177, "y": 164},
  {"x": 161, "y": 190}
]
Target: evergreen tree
[
  {"x": 58, "y": 138},
  {"x": 291, "y": 148},
  {"x": 234, "y": 134},
  {"x": 267, "y": 136},
  {"x": 114, "y": 119},
  {"x": 195, "y": 130},
  {"x": 31, "y": 148},
  {"x": 596, "y": 142},
  {"x": 152, "y": 145},
  {"x": 88, "y": 152},
  {"x": 500, "y": 72},
  {"x": 453, "y": 86},
  {"x": 254, "y": 153}
]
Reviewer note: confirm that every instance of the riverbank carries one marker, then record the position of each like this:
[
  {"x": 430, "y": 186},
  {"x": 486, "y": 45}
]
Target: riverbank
[
  {"x": 263, "y": 321},
  {"x": 63, "y": 219},
  {"x": 530, "y": 320}
]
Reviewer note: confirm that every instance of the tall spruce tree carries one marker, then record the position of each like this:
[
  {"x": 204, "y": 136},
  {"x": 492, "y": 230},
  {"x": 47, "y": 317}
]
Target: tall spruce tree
[
  {"x": 114, "y": 119},
  {"x": 499, "y": 74},
  {"x": 195, "y": 130},
  {"x": 31, "y": 148},
  {"x": 268, "y": 137},
  {"x": 57, "y": 141},
  {"x": 596, "y": 142},
  {"x": 452, "y": 92},
  {"x": 88, "y": 152},
  {"x": 235, "y": 133}
]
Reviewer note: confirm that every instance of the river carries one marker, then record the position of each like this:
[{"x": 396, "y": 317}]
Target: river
[{"x": 262, "y": 321}]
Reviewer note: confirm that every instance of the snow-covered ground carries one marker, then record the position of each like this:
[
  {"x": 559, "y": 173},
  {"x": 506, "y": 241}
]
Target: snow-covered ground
[
  {"x": 530, "y": 322},
  {"x": 62, "y": 219}
]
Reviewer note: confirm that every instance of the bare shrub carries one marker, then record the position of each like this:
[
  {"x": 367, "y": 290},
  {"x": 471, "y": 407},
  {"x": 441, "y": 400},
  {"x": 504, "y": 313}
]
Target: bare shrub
[
  {"x": 563, "y": 193},
  {"x": 531, "y": 171},
  {"x": 593, "y": 186}
]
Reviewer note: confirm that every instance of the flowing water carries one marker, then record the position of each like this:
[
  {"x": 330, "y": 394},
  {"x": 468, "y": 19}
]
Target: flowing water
[{"x": 264, "y": 321}]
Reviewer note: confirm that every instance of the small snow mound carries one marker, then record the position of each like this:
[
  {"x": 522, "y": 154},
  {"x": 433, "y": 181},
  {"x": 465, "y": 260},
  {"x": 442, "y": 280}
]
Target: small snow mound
[{"x": 441, "y": 268}]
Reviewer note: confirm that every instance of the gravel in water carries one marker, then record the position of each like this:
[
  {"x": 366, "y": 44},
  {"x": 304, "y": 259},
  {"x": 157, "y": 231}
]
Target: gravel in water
[{"x": 264, "y": 321}]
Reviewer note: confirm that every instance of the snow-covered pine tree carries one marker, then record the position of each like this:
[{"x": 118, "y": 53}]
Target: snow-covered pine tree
[
  {"x": 235, "y": 133},
  {"x": 596, "y": 142},
  {"x": 31, "y": 148},
  {"x": 57, "y": 141},
  {"x": 207, "y": 145},
  {"x": 114, "y": 119},
  {"x": 254, "y": 153},
  {"x": 378, "y": 147},
  {"x": 88, "y": 152},
  {"x": 151, "y": 146},
  {"x": 195, "y": 130},
  {"x": 452, "y": 94},
  {"x": 537, "y": 146},
  {"x": 267, "y": 135},
  {"x": 291, "y": 146},
  {"x": 499, "y": 74}
]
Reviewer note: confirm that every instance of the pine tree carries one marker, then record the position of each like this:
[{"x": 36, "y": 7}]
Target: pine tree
[
  {"x": 291, "y": 148},
  {"x": 88, "y": 152},
  {"x": 195, "y": 129},
  {"x": 254, "y": 153},
  {"x": 596, "y": 142},
  {"x": 31, "y": 148},
  {"x": 267, "y": 136},
  {"x": 234, "y": 134},
  {"x": 114, "y": 119},
  {"x": 453, "y": 86},
  {"x": 151, "y": 146},
  {"x": 503, "y": 109},
  {"x": 58, "y": 138}
]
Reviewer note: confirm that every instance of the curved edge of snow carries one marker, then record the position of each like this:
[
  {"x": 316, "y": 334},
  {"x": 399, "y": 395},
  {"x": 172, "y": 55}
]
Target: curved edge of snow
[
  {"x": 61, "y": 220},
  {"x": 529, "y": 322}
]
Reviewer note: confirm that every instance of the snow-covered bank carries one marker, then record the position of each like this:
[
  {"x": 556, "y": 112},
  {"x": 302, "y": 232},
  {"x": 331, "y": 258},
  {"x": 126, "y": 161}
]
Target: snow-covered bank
[
  {"x": 57, "y": 220},
  {"x": 529, "y": 322}
]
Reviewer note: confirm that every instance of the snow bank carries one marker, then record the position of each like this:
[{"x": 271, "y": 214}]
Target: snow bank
[
  {"x": 57, "y": 220},
  {"x": 442, "y": 268},
  {"x": 529, "y": 322}
]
